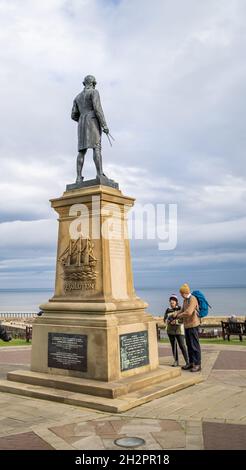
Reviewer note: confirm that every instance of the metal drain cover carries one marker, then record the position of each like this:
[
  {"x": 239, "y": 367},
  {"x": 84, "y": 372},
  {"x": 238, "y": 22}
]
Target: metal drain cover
[{"x": 129, "y": 442}]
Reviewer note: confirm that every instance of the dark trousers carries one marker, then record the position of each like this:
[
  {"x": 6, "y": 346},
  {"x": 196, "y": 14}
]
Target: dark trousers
[
  {"x": 193, "y": 345},
  {"x": 176, "y": 340}
]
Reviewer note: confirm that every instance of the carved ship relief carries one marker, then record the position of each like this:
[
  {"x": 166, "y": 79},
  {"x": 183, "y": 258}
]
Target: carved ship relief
[{"x": 79, "y": 265}]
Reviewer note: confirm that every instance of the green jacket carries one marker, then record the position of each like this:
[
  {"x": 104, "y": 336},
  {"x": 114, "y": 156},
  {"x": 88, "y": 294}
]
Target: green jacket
[{"x": 178, "y": 328}]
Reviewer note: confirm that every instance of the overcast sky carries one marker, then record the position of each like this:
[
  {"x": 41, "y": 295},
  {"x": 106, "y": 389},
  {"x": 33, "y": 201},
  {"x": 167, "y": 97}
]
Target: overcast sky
[{"x": 172, "y": 75}]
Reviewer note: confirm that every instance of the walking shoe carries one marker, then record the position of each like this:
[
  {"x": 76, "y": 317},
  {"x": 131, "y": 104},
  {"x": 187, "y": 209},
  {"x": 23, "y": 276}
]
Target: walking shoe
[
  {"x": 196, "y": 368},
  {"x": 175, "y": 364},
  {"x": 187, "y": 366}
]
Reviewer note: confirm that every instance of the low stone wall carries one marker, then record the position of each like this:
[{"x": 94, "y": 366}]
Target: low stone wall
[
  {"x": 206, "y": 322},
  {"x": 18, "y": 330}
]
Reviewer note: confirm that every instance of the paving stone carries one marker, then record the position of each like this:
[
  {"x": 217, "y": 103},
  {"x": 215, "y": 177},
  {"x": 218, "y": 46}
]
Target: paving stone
[
  {"x": 55, "y": 441},
  {"x": 230, "y": 377},
  {"x": 73, "y": 431},
  {"x": 228, "y": 360},
  {"x": 220, "y": 436},
  {"x": 171, "y": 440},
  {"x": 165, "y": 352},
  {"x": 15, "y": 356},
  {"x": 194, "y": 447},
  {"x": 170, "y": 425},
  {"x": 194, "y": 430},
  {"x": 174, "y": 421},
  {"x": 5, "y": 368},
  {"x": 194, "y": 440},
  {"x": 89, "y": 443},
  {"x": 24, "y": 441},
  {"x": 135, "y": 428}
]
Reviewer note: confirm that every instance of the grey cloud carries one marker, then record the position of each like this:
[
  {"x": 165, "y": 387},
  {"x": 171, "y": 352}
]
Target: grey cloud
[{"x": 172, "y": 80}]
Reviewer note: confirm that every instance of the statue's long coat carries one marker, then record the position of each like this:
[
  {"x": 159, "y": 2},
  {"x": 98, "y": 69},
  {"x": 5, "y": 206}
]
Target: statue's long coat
[{"x": 87, "y": 111}]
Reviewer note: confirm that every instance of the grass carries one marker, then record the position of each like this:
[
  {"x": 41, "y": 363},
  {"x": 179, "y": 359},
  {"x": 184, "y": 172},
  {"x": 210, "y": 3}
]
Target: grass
[
  {"x": 15, "y": 342},
  {"x": 233, "y": 341},
  {"x": 220, "y": 341}
]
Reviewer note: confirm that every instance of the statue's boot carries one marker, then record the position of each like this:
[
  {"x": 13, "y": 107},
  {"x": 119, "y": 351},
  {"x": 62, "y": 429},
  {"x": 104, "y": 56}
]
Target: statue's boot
[{"x": 79, "y": 179}]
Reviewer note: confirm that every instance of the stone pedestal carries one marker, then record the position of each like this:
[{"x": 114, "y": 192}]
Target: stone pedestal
[
  {"x": 95, "y": 345},
  {"x": 94, "y": 294}
]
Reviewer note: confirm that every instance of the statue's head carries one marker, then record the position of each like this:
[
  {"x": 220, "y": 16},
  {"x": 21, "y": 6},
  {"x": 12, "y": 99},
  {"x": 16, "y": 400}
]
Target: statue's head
[{"x": 89, "y": 80}]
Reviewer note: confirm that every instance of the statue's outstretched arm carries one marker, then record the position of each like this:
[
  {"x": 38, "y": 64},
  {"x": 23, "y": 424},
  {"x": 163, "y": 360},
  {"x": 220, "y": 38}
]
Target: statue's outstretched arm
[{"x": 75, "y": 112}]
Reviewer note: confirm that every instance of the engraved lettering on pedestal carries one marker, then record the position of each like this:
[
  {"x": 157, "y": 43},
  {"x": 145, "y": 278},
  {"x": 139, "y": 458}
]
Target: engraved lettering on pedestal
[
  {"x": 117, "y": 256},
  {"x": 134, "y": 350},
  {"x": 67, "y": 351},
  {"x": 79, "y": 265}
]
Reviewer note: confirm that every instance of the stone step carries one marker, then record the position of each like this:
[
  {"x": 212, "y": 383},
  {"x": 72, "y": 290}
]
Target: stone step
[
  {"x": 112, "y": 405},
  {"x": 95, "y": 387}
]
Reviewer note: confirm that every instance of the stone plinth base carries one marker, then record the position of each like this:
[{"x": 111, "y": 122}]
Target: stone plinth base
[{"x": 113, "y": 397}]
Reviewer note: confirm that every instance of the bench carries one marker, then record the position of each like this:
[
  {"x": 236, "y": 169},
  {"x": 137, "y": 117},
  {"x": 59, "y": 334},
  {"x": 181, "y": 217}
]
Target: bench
[
  {"x": 28, "y": 333},
  {"x": 233, "y": 328}
]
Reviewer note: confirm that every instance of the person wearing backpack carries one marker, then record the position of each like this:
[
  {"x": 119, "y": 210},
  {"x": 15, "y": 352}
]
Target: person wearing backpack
[
  {"x": 175, "y": 330},
  {"x": 189, "y": 314}
]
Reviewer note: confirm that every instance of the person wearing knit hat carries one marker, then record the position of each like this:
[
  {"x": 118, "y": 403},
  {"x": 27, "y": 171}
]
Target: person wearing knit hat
[
  {"x": 174, "y": 297},
  {"x": 184, "y": 289},
  {"x": 175, "y": 330},
  {"x": 189, "y": 314}
]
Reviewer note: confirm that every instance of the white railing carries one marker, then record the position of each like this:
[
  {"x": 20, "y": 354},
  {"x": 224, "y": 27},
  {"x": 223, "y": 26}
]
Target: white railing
[{"x": 17, "y": 314}]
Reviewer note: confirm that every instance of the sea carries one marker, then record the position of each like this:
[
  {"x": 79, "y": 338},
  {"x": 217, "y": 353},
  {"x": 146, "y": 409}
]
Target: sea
[{"x": 225, "y": 301}]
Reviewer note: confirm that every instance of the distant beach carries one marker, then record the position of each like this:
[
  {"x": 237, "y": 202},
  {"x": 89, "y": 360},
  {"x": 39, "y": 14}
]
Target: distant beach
[{"x": 224, "y": 300}]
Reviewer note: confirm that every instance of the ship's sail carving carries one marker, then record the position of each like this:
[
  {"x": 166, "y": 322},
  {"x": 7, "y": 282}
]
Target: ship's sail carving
[{"x": 78, "y": 260}]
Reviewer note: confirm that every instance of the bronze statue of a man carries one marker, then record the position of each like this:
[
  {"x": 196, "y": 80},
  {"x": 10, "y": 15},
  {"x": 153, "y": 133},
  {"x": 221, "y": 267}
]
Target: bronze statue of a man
[{"x": 87, "y": 111}]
